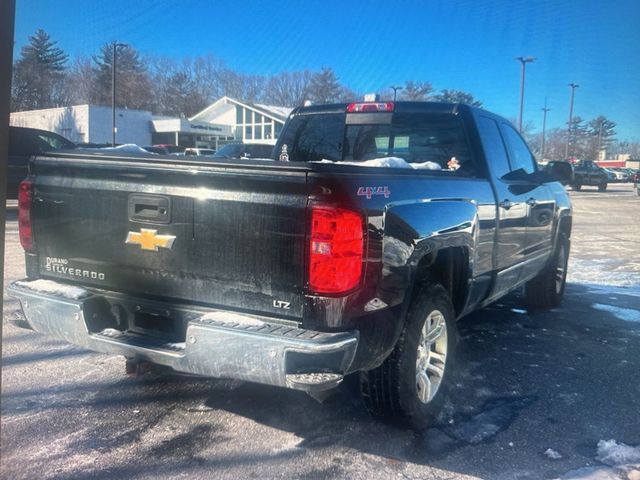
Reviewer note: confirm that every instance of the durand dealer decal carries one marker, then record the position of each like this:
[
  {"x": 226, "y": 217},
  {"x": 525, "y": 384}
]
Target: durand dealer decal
[{"x": 61, "y": 266}]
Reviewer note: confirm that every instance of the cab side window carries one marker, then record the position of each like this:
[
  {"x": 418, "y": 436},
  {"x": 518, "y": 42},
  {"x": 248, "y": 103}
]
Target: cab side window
[
  {"x": 519, "y": 153},
  {"x": 494, "y": 149}
]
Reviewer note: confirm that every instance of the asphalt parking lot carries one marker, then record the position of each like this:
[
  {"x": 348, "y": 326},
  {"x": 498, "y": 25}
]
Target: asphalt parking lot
[{"x": 537, "y": 395}]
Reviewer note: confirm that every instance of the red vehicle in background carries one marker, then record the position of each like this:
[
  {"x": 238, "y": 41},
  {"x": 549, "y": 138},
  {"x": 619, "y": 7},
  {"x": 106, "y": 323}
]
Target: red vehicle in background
[{"x": 168, "y": 149}]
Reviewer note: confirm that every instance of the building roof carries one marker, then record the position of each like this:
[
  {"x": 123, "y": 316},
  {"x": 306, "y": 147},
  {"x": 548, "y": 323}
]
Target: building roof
[{"x": 224, "y": 104}]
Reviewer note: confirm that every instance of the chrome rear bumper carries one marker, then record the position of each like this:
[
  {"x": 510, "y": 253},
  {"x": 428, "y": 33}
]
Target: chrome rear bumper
[{"x": 218, "y": 343}]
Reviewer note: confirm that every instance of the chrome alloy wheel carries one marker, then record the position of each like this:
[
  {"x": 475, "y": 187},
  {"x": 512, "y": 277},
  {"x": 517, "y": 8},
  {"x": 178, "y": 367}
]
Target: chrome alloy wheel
[
  {"x": 432, "y": 356},
  {"x": 561, "y": 267}
]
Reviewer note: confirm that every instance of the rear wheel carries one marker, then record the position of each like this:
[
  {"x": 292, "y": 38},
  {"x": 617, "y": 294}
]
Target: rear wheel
[
  {"x": 546, "y": 290},
  {"x": 410, "y": 385},
  {"x": 577, "y": 186},
  {"x": 602, "y": 187}
]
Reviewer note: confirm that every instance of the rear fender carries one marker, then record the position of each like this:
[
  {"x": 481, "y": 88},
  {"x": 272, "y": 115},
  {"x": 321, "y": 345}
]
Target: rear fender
[{"x": 416, "y": 229}]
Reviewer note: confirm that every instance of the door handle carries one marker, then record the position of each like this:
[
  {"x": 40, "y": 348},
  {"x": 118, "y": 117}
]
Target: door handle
[
  {"x": 506, "y": 204},
  {"x": 532, "y": 202}
]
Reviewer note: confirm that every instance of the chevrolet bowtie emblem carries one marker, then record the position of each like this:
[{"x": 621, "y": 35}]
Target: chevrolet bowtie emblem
[{"x": 150, "y": 240}]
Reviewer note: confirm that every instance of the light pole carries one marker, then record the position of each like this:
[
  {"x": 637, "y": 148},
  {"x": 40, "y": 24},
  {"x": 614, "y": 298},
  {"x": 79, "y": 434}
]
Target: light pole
[
  {"x": 544, "y": 126},
  {"x": 395, "y": 91},
  {"x": 599, "y": 140},
  {"x": 113, "y": 92},
  {"x": 573, "y": 92},
  {"x": 523, "y": 61}
]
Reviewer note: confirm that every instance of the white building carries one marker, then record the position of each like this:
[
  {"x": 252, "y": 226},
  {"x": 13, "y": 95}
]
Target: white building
[
  {"x": 224, "y": 121},
  {"x": 88, "y": 123}
]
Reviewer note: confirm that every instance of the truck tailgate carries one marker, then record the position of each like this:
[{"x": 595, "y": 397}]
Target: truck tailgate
[{"x": 224, "y": 234}]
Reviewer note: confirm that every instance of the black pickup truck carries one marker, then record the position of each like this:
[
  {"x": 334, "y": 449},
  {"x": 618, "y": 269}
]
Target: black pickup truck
[
  {"x": 588, "y": 173},
  {"x": 355, "y": 250}
]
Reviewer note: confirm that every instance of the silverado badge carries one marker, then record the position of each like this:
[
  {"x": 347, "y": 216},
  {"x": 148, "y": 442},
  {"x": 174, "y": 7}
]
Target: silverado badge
[{"x": 149, "y": 240}]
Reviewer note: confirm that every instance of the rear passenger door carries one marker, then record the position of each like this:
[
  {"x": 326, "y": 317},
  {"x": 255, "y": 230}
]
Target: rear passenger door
[
  {"x": 539, "y": 204},
  {"x": 511, "y": 209}
]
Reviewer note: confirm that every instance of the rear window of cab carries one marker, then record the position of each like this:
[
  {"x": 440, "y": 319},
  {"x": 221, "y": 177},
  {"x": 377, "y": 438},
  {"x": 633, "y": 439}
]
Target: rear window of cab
[{"x": 434, "y": 142}]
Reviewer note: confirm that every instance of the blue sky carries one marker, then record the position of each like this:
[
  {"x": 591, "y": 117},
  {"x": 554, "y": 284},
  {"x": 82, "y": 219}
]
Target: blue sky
[{"x": 468, "y": 45}]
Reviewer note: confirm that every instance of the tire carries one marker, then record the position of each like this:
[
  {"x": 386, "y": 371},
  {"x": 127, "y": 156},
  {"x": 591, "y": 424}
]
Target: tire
[
  {"x": 602, "y": 187},
  {"x": 577, "y": 187},
  {"x": 392, "y": 392},
  {"x": 547, "y": 289}
]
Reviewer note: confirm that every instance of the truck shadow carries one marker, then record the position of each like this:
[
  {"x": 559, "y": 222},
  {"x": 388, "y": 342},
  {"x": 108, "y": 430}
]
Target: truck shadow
[
  {"x": 541, "y": 373},
  {"x": 525, "y": 382}
]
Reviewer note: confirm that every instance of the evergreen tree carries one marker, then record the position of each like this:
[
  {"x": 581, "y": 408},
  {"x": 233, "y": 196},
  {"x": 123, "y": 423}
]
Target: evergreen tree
[
  {"x": 601, "y": 132},
  {"x": 133, "y": 84},
  {"x": 38, "y": 74},
  {"x": 578, "y": 138},
  {"x": 325, "y": 87}
]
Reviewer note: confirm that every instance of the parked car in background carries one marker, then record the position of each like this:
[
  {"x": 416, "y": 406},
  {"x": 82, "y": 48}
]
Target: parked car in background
[
  {"x": 588, "y": 173},
  {"x": 167, "y": 149},
  {"x": 23, "y": 144},
  {"x": 245, "y": 150},
  {"x": 157, "y": 150},
  {"x": 624, "y": 174},
  {"x": 616, "y": 175},
  {"x": 199, "y": 152}
]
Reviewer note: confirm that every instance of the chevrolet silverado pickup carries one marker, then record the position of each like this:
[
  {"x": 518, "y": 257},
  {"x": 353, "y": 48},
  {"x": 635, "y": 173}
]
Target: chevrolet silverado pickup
[{"x": 355, "y": 250}]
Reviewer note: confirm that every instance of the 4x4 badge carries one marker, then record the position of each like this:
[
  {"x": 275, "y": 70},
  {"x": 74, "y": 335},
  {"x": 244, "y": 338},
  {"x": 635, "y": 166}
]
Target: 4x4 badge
[
  {"x": 150, "y": 240},
  {"x": 371, "y": 191}
]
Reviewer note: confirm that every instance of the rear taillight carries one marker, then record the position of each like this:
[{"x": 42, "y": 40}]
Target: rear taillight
[
  {"x": 25, "y": 199},
  {"x": 370, "y": 107},
  {"x": 336, "y": 249}
]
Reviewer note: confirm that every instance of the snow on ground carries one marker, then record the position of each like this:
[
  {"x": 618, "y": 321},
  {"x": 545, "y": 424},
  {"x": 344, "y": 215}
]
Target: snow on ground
[
  {"x": 616, "y": 454},
  {"x": 552, "y": 454},
  {"x": 626, "y": 314},
  {"x": 602, "y": 271},
  {"x": 622, "y": 463}
]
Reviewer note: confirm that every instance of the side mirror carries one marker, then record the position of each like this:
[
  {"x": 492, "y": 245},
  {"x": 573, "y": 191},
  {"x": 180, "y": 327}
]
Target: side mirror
[{"x": 560, "y": 171}]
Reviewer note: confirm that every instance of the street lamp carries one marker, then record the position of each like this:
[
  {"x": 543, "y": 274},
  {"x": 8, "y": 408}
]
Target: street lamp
[
  {"x": 113, "y": 92},
  {"x": 544, "y": 127},
  {"x": 573, "y": 92},
  {"x": 523, "y": 61},
  {"x": 395, "y": 91}
]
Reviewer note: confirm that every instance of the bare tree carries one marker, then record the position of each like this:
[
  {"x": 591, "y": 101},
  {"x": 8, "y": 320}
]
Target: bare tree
[
  {"x": 416, "y": 91},
  {"x": 288, "y": 89},
  {"x": 80, "y": 81},
  {"x": 456, "y": 96}
]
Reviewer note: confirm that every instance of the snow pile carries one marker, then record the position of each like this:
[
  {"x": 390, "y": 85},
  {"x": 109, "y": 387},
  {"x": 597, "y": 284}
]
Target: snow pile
[
  {"x": 616, "y": 454},
  {"x": 126, "y": 148},
  {"x": 623, "y": 462},
  {"x": 389, "y": 162},
  {"x": 54, "y": 288},
  {"x": 552, "y": 454}
]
